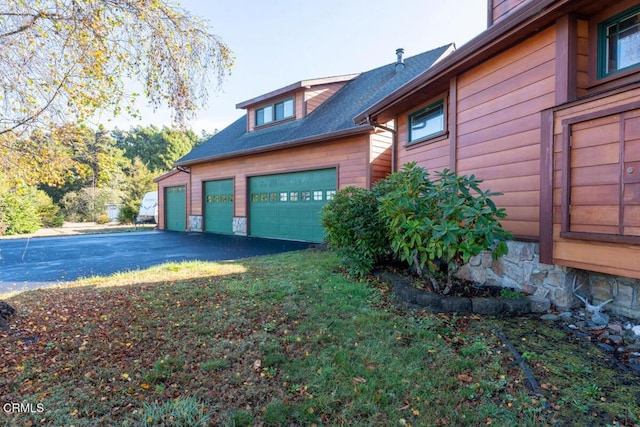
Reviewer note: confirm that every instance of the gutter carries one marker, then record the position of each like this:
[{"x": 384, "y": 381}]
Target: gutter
[{"x": 282, "y": 145}]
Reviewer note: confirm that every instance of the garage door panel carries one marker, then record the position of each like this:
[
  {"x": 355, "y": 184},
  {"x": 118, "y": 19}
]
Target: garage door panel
[
  {"x": 288, "y": 206},
  {"x": 218, "y": 206},
  {"x": 176, "y": 208}
]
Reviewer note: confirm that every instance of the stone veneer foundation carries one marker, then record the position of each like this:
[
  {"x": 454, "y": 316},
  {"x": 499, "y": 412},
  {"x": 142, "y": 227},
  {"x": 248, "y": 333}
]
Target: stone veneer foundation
[{"x": 521, "y": 269}]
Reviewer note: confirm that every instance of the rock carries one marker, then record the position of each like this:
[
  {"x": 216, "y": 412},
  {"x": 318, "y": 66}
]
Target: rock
[
  {"x": 488, "y": 306},
  {"x": 615, "y": 328},
  {"x": 6, "y": 311},
  {"x": 517, "y": 306},
  {"x": 600, "y": 318},
  {"x": 566, "y": 316},
  {"x": 606, "y": 347},
  {"x": 636, "y": 330},
  {"x": 591, "y": 326},
  {"x": 539, "y": 304},
  {"x": 456, "y": 305},
  {"x": 627, "y": 326},
  {"x": 551, "y": 317},
  {"x": 429, "y": 301},
  {"x": 616, "y": 339}
]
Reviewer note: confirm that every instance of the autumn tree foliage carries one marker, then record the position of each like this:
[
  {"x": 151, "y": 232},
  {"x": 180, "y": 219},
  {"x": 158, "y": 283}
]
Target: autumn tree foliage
[{"x": 64, "y": 60}]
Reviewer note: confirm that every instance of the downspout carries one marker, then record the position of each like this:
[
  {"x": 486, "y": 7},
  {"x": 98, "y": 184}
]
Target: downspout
[{"x": 394, "y": 140}]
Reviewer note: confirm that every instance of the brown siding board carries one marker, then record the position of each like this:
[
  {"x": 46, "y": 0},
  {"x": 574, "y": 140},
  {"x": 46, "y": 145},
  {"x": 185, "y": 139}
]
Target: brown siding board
[{"x": 537, "y": 50}]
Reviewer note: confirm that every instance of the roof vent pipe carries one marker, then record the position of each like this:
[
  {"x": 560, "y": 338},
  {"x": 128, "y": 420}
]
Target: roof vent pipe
[{"x": 399, "y": 61}]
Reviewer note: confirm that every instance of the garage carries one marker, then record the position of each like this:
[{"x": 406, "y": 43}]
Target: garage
[
  {"x": 176, "y": 208},
  {"x": 287, "y": 206},
  {"x": 218, "y": 206}
]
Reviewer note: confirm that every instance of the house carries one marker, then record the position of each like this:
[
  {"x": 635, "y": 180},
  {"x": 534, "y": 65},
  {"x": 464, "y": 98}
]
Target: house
[
  {"x": 544, "y": 106},
  {"x": 269, "y": 173}
]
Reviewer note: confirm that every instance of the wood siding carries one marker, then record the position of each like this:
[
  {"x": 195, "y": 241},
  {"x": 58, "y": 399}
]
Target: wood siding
[
  {"x": 349, "y": 155},
  {"x": 497, "y": 129},
  {"x": 596, "y": 184},
  {"x": 380, "y": 156},
  {"x": 316, "y": 95},
  {"x": 501, "y": 8},
  {"x": 582, "y": 65},
  {"x": 170, "y": 180}
]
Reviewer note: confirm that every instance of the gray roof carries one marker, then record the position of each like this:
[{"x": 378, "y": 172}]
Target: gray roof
[{"x": 333, "y": 118}]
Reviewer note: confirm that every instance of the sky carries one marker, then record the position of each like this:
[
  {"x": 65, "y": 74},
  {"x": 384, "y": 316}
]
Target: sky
[{"x": 280, "y": 42}]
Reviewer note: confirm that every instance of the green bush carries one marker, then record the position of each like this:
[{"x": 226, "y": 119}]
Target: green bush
[
  {"x": 355, "y": 230},
  {"x": 448, "y": 219},
  {"x": 48, "y": 211},
  {"x": 18, "y": 210}
]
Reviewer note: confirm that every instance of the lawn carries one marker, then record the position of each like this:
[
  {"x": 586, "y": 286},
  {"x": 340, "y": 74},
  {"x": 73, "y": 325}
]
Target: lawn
[{"x": 287, "y": 340}]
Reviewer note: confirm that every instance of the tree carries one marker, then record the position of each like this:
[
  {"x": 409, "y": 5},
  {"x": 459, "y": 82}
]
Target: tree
[
  {"x": 156, "y": 148},
  {"x": 63, "y": 60}
]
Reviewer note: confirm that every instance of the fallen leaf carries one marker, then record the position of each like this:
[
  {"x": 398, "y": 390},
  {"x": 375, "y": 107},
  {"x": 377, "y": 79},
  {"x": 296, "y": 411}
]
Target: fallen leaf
[
  {"x": 465, "y": 378},
  {"x": 257, "y": 365},
  {"x": 359, "y": 380}
]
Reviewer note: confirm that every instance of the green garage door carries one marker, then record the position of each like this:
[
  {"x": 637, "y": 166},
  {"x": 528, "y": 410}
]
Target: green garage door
[
  {"x": 218, "y": 206},
  {"x": 176, "y": 208},
  {"x": 287, "y": 206}
]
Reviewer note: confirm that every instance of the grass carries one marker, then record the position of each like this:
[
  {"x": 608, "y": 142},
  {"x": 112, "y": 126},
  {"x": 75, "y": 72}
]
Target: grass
[{"x": 286, "y": 340}]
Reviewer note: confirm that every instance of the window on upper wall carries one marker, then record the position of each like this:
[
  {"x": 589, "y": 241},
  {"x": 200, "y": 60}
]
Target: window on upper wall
[
  {"x": 619, "y": 43},
  {"x": 427, "y": 122},
  {"x": 274, "y": 112}
]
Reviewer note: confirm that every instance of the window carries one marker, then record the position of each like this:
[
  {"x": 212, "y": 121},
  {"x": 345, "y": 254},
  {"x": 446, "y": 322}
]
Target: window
[
  {"x": 274, "y": 112},
  {"x": 331, "y": 194},
  {"x": 619, "y": 43},
  {"x": 317, "y": 195},
  {"x": 427, "y": 122}
]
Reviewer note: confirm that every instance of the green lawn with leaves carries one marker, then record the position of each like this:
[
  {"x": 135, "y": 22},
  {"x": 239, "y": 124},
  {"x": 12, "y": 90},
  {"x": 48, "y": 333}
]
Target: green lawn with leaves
[{"x": 287, "y": 340}]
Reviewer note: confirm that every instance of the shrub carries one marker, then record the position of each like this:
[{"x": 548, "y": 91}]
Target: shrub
[
  {"x": 48, "y": 211},
  {"x": 89, "y": 203},
  {"x": 355, "y": 230},
  {"x": 18, "y": 210},
  {"x": 449, "y": 219}
]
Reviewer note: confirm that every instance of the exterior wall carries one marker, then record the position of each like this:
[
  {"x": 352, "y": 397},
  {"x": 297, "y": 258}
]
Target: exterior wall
[
  {"x": 349, "y": 155},
  {"x": 499, "y": 9},
  {"x": 380, "y": 156},
  {"x": 170, "y": 180},
  {"x": 316, "y": 95},
  {"x": 497, "y": 128},
  {"x": 599, "y": 230}
]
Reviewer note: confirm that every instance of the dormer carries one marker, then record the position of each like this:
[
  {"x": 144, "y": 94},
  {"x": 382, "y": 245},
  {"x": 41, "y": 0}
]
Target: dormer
[
  {"x": 292, "y": 102},
  {"x": 499, "y": 9}
]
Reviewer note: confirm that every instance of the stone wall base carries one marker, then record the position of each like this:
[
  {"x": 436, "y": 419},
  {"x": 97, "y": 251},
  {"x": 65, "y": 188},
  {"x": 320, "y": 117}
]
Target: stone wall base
[
  {"x": 195, "y": 223},
  {"x": 240, "y": 225},
  {"x": 521, "y": 269}
]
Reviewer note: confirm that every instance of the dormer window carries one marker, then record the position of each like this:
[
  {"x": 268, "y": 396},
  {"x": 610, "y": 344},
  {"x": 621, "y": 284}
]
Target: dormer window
[{"x": 274, "y": 112}]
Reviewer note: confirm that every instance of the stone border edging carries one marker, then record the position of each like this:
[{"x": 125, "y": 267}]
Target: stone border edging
[{"x": 436, "y": 303}]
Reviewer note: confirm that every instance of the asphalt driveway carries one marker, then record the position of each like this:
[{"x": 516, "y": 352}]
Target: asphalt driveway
[{"x": 32, "y": 263}]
